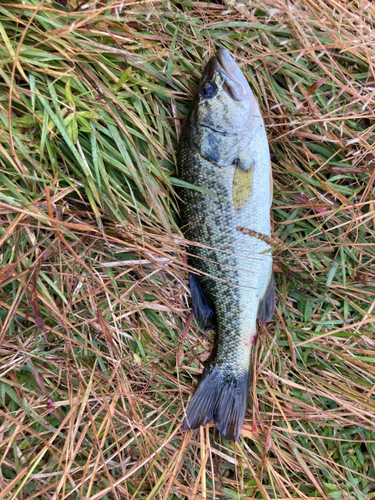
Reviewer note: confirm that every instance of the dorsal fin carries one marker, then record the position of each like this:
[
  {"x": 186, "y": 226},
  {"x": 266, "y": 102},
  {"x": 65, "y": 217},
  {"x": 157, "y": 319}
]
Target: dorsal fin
[{"x": 202, "y": 305}]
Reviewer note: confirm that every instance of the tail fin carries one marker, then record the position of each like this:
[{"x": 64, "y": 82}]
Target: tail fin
[{"x": 221, "y": 395}]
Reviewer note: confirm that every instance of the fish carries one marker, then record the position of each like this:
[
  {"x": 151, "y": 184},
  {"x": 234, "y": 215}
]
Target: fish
[{"x": 223, "y": 161}]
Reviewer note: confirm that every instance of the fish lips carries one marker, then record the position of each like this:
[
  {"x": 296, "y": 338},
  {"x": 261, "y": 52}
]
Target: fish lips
[{"x": 234, "y": 82}]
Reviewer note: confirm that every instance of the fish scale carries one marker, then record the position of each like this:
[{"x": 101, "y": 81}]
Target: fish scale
[{"x": 233, "y": 166}]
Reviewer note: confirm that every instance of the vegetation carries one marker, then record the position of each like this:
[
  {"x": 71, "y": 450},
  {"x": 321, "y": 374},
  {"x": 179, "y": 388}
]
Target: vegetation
[{"x": 99, "y": 350}]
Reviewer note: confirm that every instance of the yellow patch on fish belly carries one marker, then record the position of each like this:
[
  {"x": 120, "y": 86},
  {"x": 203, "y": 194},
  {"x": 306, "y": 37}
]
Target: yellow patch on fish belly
[{"x": 242, "y": 186}]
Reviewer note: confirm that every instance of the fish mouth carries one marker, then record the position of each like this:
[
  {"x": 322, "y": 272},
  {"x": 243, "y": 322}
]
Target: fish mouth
[{"x": 234, "y": 81}]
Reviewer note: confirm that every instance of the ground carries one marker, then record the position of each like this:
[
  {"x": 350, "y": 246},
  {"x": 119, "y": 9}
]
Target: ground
[{"x": 99, "y": 351}]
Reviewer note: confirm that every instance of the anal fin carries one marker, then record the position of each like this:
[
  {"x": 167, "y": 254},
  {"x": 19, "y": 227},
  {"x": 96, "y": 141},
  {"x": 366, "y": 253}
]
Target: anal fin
[
  {"x": 202, "y": 305},
  {"x": 267, "y": 304}
]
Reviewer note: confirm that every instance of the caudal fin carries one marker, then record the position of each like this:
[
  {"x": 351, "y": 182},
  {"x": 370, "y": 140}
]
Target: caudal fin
[{"x": 222, "y": 396}]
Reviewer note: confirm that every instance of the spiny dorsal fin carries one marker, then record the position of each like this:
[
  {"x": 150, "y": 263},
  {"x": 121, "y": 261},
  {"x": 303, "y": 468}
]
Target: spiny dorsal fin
[{"x": 242, "y": 186}]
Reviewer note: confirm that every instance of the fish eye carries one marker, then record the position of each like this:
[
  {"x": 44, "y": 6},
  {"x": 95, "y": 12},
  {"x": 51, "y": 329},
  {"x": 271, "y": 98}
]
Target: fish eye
[{"x": 209, "y": 89}]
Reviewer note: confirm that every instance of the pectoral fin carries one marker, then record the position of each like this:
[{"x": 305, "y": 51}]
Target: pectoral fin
[
  {"x": 267, "y": 303},
  {"x": 242, "y": 186},
  {"x": 202, "y": 306}
]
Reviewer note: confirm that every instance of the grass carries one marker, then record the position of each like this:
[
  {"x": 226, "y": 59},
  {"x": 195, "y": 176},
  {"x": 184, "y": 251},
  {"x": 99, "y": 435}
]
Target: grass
[{"x": 99, "y": 353}]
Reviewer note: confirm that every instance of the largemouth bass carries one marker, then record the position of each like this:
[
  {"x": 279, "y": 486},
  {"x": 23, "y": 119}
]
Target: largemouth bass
[{"x": 223, "y": 151}]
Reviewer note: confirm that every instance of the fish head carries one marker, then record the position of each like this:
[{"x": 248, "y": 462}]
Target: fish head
[
  {"x": 225, "y": 115},
  {"x": 225, "y": 101}
]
